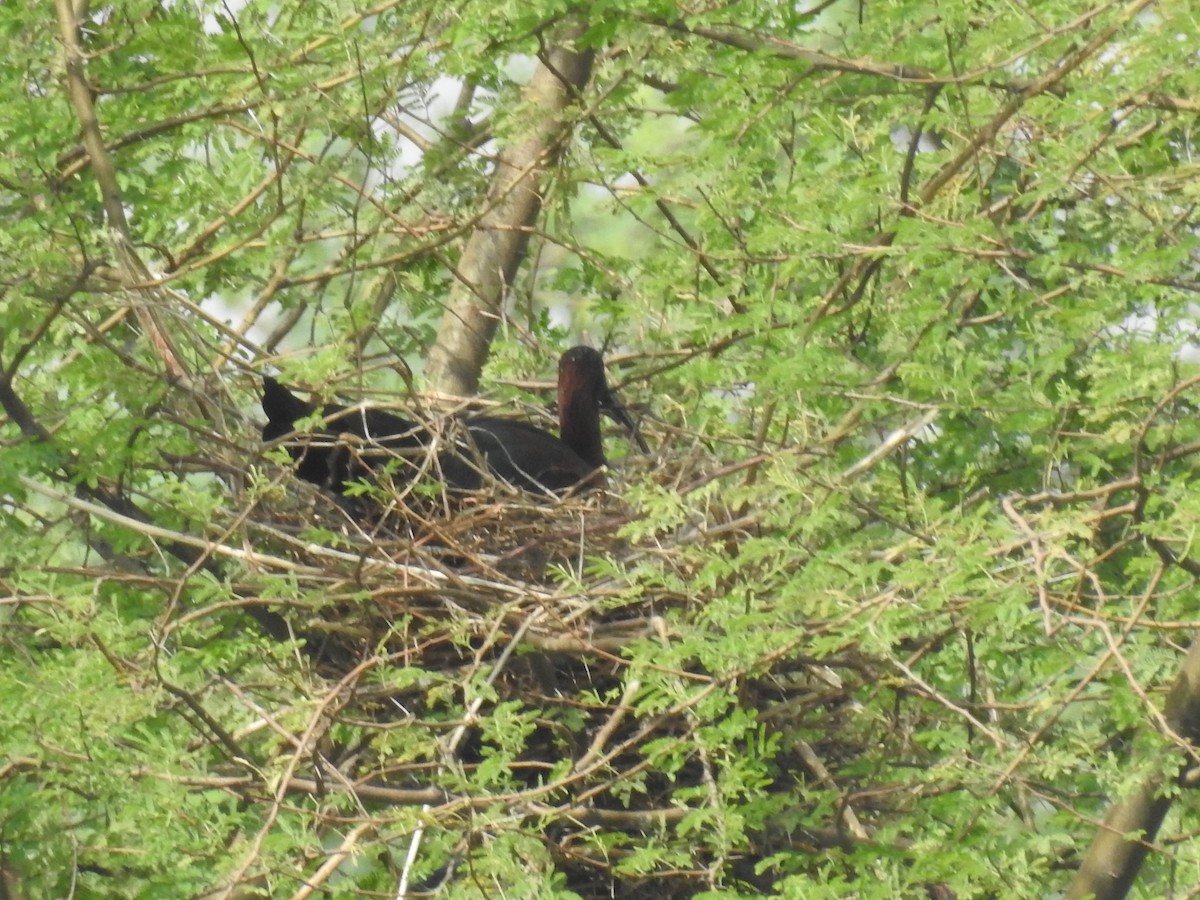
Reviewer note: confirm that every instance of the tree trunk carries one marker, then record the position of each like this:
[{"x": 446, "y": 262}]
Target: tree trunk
[
  {"x": 496, "y": 248},
  {"x": 1113, "y": 860}
]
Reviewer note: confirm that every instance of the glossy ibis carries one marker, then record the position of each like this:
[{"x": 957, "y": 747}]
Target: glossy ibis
[{"x": 518, "y": 453}]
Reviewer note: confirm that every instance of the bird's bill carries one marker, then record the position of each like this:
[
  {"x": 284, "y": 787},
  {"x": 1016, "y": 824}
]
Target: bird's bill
[{"x": 615, "y": 410}]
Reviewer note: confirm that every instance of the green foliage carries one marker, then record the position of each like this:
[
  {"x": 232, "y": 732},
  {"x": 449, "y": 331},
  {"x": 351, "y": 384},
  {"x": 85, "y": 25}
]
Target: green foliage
[{"x": 893, "y": 613}]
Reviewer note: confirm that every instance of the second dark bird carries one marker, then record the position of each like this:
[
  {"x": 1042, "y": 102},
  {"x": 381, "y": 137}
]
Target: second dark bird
[{"x": 357, "y": 442}]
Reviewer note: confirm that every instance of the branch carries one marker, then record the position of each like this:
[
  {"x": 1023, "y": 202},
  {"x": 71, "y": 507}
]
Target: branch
[
  {"x": 781, "y": 49},
  {"x": 102, "y": 502},
  {"x": 106, "y": 177},
  {"x": 1127, "y": 832},
  {"x": 497, "y": 246}
]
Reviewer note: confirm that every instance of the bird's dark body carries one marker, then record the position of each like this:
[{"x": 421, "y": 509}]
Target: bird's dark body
[
  {"x": 523, "y": 455},
  {"x": 360, "y": 442}
]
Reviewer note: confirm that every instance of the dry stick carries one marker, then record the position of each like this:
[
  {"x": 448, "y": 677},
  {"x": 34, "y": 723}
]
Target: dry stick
[
  {"x": 213, "y": 548},
  {"x": 609, "y": 728},
  {"x": 894, "y": 440},
  {"x": 455, "y": 739},
  {"x": 817, "y": 767},
  {"x": 588, "y": 815},
  {"x": 933, "y": 694},
  {"x": 106, "y": 177},
  {"x": 279, "y": 788},
  {"x": 331, "y": 865}
]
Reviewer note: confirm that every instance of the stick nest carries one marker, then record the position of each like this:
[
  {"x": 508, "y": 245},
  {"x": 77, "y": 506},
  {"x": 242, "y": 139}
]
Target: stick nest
[{"x": 436, "y": 616}]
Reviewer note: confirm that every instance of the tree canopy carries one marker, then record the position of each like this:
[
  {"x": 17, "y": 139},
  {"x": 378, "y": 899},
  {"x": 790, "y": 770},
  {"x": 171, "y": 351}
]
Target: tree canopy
[{"x": 899, "y": 604}]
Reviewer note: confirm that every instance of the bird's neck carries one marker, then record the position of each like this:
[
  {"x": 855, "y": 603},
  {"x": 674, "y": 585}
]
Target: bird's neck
[{"x": 579, "y": 428}]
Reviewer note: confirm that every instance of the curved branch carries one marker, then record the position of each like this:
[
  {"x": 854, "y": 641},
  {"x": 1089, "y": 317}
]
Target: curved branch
[{"x": 106, "y": 177}]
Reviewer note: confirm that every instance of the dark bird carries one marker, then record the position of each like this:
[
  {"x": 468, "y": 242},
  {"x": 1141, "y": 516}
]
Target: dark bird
[{"x": 358, "y": 442}]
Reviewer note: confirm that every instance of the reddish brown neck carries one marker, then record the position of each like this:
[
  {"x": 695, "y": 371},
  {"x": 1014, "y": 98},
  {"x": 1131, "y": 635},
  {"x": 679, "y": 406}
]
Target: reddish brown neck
[{"x": 579, "y": 422}]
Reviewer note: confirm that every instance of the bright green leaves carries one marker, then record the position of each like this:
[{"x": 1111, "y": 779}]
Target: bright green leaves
[{"x": 915, "y": 543}]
